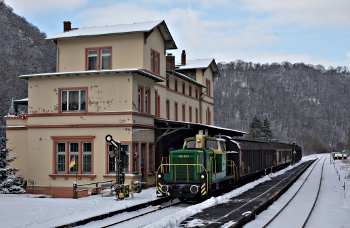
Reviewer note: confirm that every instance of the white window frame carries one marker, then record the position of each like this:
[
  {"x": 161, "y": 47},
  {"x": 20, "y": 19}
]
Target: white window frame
[
  {"x": 93, "y": 53},
  {"x": 68, "y": 106},
  {"x": 104, "y": 55},
  {"x": 147, "y": 91},
  {"x": 73, "y": 153},
  {"x": 97, "y": 54},
  {"x": 86, "y": 162},
  {"x": 60, "y": 152}
]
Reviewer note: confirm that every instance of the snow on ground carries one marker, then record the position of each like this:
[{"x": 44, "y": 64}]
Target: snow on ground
[
  {"x": 332, "y": 206},
  {"x": 26, "y": 211}
]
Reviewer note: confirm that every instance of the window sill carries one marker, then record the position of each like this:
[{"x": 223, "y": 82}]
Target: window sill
[
  {"x": 113, "y": 175},
  {"x": 78, "y": 176},
  {"x": 74, "y": 111}
]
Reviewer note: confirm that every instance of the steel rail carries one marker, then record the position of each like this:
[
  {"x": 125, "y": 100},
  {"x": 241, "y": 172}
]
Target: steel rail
[
  {"x": 318, "y": 193},
  {"x": 139, "y": 215},
  {"x": 289, "y": 201},
  {"x": 257, "y": 197}
]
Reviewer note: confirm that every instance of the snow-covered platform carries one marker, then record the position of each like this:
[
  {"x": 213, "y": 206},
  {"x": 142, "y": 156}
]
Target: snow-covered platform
[
  {"x": 243, "y": 208},
  {"x": 27, "y": 210}
]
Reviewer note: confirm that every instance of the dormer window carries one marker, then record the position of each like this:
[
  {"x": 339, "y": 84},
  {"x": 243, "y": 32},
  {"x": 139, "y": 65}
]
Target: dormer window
[{"x": 98, "y": 58}]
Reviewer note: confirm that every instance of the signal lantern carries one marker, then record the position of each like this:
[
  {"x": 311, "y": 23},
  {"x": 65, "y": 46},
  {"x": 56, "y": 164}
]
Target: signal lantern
[{"x": 122, "y": 178}]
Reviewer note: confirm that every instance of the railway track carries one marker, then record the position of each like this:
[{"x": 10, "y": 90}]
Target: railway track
[
  {"x": 241, "y": 209},
  {"x": 145, "y": 214},
  {"x": 297, "y": 206}
]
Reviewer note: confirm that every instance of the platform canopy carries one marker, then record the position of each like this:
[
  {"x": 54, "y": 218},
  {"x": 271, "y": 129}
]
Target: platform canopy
[{"x": 170, "y": 126}]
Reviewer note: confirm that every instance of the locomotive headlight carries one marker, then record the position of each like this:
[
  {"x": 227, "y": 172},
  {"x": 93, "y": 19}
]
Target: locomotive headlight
[
  {"x": 198, "y": 140},
  {"x": 159, "y": 176},
  {"x": 202, "y": 176}
]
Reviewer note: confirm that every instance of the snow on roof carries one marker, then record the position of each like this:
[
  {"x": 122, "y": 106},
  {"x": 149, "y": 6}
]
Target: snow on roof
[
  {"x": 198, "y": 64},
  {"x": 125, "y": 70},
  {"x": 185, "y": 77},
  {"x": 194, "y": 64},
  {"x": 118, "y": 29},
  {"x": 22, "y": 100}
]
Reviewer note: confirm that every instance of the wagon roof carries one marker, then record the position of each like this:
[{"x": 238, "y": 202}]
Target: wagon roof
[{"x": 280, "y": 145}]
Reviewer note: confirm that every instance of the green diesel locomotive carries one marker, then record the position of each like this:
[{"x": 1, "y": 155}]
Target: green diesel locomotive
[{"x": 197, "y": 171}]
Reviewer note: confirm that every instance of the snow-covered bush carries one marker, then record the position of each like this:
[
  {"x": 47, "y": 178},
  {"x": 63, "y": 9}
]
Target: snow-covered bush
[{"x": 10, "y": 182}]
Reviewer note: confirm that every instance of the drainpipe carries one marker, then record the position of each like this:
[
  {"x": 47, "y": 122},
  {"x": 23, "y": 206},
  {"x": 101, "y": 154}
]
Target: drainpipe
[
  {"x": 200, "y": 110},
  {"x": 57, "y": 56},
  {"x": 201, "y": 97}
]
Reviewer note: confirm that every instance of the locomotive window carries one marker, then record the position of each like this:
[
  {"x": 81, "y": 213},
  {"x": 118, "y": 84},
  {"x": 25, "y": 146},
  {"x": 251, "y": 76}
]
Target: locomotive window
[
  {"x": 222, "y": 145},
  {"x": 211, "y": 143},
  {"x": 200, "y": 161},
  {"x": 191, "y": 144}
]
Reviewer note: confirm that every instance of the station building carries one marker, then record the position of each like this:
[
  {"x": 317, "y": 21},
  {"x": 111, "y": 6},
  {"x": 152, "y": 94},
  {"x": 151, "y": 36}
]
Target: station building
[{"x": 120, "y": 80}]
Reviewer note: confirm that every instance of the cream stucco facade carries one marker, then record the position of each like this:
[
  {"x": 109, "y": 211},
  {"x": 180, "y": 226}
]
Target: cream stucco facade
[{"x": 72, "y": 110}]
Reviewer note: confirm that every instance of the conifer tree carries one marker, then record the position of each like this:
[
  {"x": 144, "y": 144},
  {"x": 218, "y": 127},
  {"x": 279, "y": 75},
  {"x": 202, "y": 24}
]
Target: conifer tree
[
  {"x": 260, "y": 130},
  {"x": 255, "y": 128},
  {"x": 266, "y": 130},
  {"x": 10, "y": 182}
]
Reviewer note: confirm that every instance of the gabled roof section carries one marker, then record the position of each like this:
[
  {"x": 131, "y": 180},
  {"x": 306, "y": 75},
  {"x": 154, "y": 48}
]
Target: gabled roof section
[
  {"x": 129, "y": 70},
  {"x": 185, "y": 77},
  {"x": 141, "y": 27},
  {"x": 199, "y": 64}
]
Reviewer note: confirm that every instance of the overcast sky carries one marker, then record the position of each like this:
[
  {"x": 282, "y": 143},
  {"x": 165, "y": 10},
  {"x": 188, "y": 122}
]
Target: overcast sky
[{"x": 264, "y": 31}]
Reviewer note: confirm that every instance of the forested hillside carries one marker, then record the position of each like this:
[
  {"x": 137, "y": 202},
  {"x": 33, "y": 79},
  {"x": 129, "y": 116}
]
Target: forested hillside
[
  {"x": 304, "y": 103},
  {"x": 23, "y": 50}
]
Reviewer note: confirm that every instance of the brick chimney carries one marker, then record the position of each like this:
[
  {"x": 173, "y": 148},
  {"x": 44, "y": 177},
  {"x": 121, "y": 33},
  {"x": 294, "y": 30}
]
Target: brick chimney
[
  {"x": 67, "y": 26},
  {"x": 183, "y": 58},
  {"x": 170, "y": 61}
]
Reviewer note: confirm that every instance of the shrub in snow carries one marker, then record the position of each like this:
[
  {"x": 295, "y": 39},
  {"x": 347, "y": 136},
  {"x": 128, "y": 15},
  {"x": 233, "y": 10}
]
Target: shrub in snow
[{"x": 10, "y": 182}]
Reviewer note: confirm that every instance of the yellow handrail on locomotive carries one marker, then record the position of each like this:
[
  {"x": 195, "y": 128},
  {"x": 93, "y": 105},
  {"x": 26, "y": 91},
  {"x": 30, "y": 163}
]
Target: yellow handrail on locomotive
[
  {"x": 161, "y": 169},
  {"x": 198, "y": 166},
  {"x": 234, "y": 170},
  {"x": 166, "y": 162},
  {"x": 212, "y": 166}
]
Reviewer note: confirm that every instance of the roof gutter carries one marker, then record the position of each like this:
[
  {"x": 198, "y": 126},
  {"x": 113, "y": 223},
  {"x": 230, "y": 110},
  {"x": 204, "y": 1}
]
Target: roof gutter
[{"x": 138, "y": 71}]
